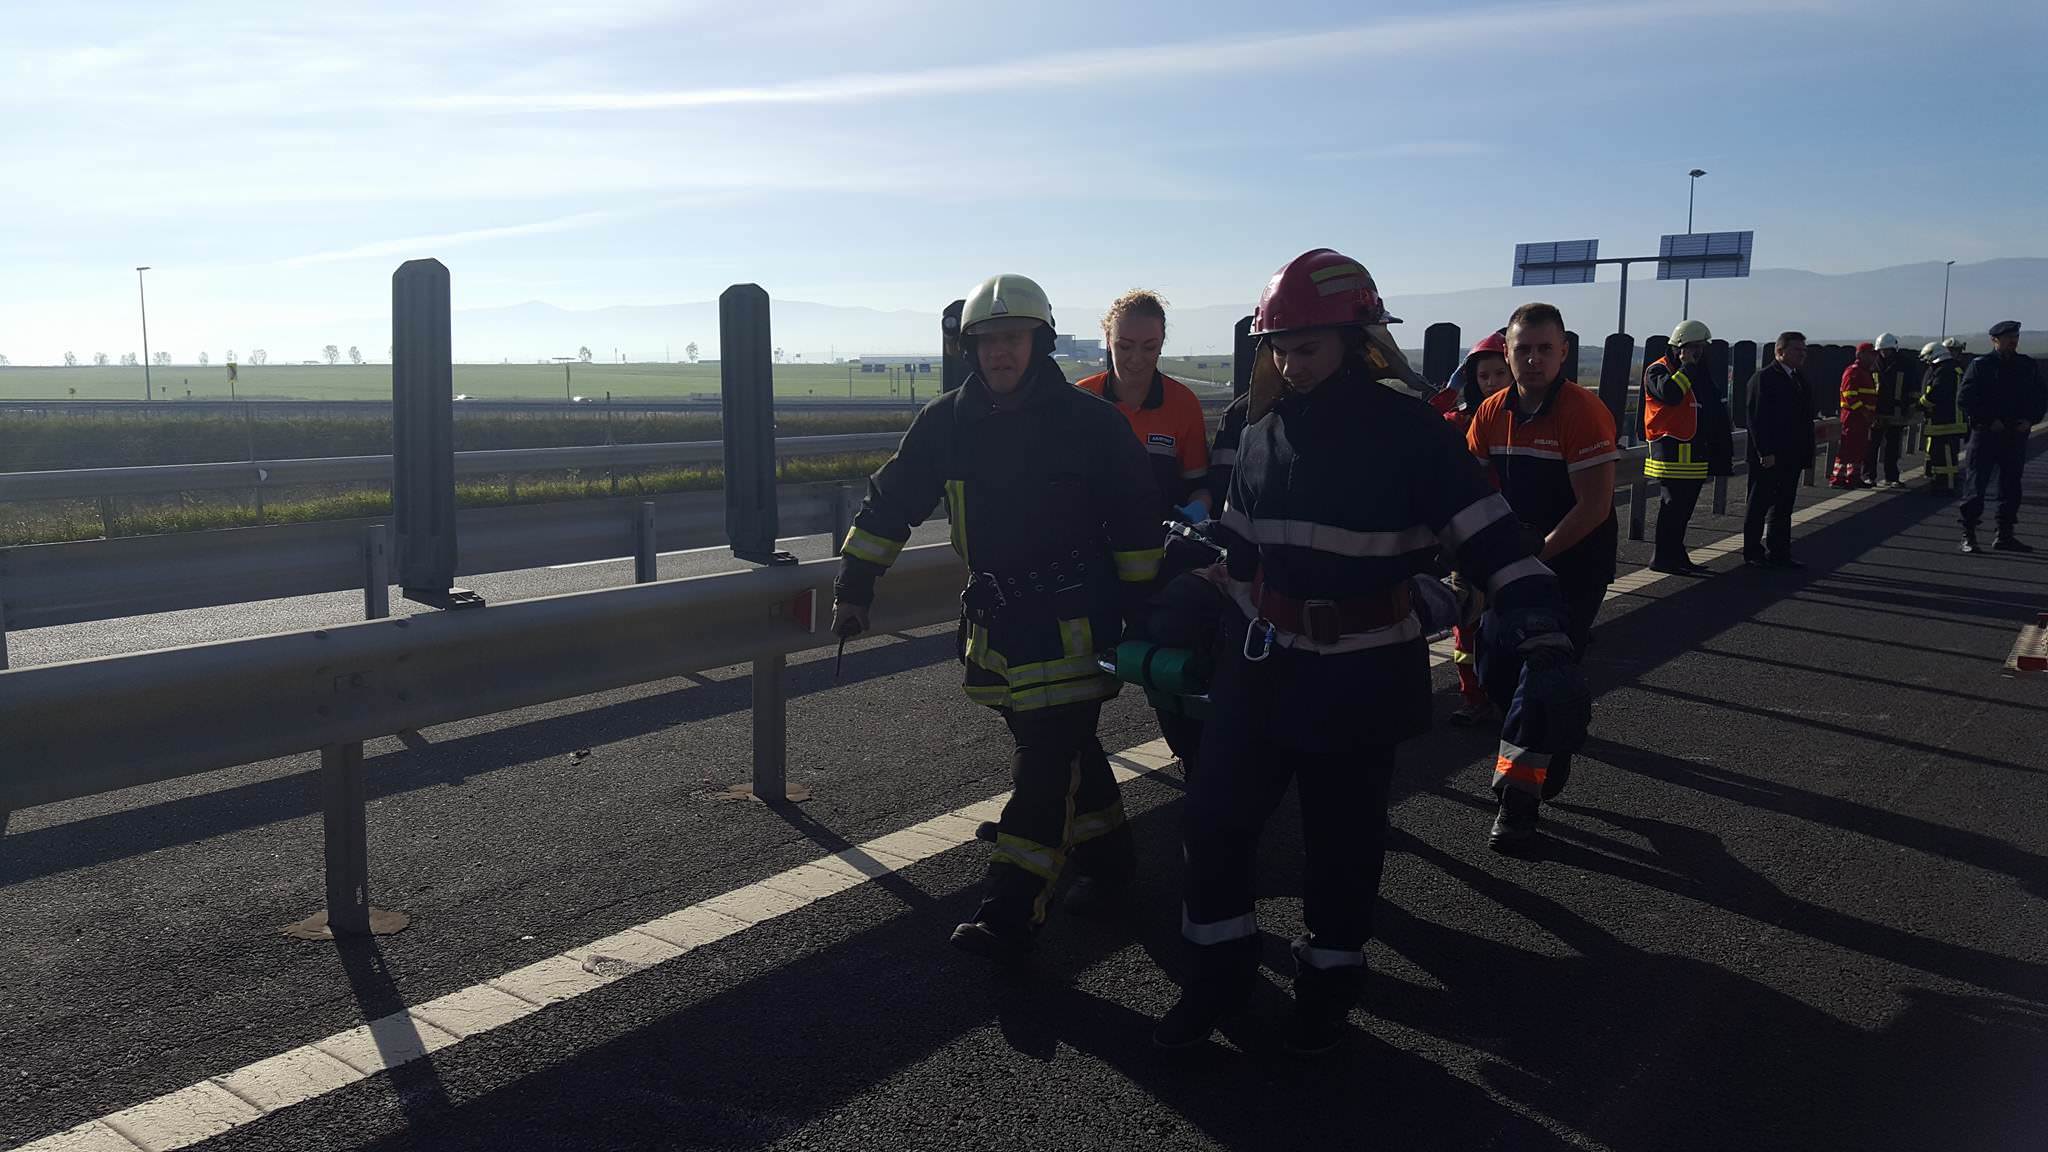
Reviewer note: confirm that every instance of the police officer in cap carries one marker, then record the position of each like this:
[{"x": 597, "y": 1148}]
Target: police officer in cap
[{"x": 2002, "y": 398}]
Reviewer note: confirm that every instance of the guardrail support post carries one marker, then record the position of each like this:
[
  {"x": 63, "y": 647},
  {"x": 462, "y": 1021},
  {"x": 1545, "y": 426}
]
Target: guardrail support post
[
  {"x": 1638, "y": 501},
  {"x": 376, "y": 574},
  {"x": 846, "y": 501},
  {"x": 643, "y": 541},
  {"x": 1720, "y": 495},
  {"x": 423, "y": 436},
  {"x": 3, "y": 668},
  {"x": 771, "y": 730},
  {"x": 746, "y": 376},
  {"x": 343, "y": 800}
]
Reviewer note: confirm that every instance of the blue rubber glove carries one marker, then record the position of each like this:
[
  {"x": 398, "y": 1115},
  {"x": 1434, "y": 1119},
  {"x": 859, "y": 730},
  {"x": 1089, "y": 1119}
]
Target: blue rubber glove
[{"x": 1193, "y": 512}]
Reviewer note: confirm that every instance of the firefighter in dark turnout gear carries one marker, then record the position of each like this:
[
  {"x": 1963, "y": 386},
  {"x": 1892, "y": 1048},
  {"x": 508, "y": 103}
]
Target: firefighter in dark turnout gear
[
  {"x": 1945, "y": 428},
  {"x": 1051, "y": 510},
  {"x": 1344, "y": 488},
  {"x": 2002, "y": 398},
  {"x": 1897, "y": 379},
  {"x": 1685, "y": 417}
]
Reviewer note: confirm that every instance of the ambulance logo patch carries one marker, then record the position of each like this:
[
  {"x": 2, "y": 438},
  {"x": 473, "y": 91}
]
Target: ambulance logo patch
[{"x": 1160, "y": 439}]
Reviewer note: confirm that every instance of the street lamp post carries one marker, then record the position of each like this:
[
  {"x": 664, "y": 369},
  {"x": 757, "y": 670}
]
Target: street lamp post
[
  {"x": 1690, "y": 187},
  {"x": 1945, "y": 268},
  {"x": 143, "y": 296}
]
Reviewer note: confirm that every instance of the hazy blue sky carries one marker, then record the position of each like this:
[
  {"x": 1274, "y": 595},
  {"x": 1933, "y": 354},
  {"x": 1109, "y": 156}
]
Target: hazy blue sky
[{"x": 275, "y": 161}]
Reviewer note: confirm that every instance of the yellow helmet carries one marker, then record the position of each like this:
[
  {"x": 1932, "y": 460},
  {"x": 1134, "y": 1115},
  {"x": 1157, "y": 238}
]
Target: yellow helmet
[
  {"x": 1690, "y": 332},
  {"x": 1005, "y": 301}
]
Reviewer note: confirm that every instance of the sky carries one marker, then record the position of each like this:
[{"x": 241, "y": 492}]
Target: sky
[{"x": 273, "y": 163}]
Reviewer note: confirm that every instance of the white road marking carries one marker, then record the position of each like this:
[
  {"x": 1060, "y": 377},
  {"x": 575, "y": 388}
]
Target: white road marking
[{"x": 228, "y": 1101}]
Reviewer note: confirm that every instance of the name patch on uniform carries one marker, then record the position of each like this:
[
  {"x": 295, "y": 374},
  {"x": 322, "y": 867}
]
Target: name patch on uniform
[{"x": 1161, "y": 439}]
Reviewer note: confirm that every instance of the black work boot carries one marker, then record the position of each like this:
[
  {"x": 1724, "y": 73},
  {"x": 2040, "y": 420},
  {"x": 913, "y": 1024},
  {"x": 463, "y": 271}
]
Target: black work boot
[
  {"x": 1514, "y": 825},
  {"x": 1222, "y": 983},
  {"x": 2007, "y": 542},
  {"x": 986, "y": 831},
  {"x": 1969, "y": 547},
  {"x": 1323, "y": 999}
]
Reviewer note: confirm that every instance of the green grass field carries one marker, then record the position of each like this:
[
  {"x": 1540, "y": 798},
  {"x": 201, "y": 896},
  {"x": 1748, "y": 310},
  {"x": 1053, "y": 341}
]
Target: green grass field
[{"x": 483, "y": 381}]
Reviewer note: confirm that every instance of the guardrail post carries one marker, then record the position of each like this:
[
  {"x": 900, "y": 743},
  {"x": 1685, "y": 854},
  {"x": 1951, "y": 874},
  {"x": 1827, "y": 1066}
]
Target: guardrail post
[
  {"x": 423, "y": 436},
  {"x": 376, "y": 573},
  {"x": 344, "y": 800},
  {"x": 643, "y": 540},
  {"x": 746, "y": 377},
  {"x": 107, "y": 517},
  {"x": 771, "y": 730},
  {"x": 1617, "y": 364},
  {"x": 952, "y": 363},
  {"x": 1638, "y": 501},
  {"x": 1440, "y": 352},
  {"x": 846, "y": 501},
  {"x": 1720, "y": 495},
  {"x": 3, "y": 668},
  {"x": 1244, "y": 351}
]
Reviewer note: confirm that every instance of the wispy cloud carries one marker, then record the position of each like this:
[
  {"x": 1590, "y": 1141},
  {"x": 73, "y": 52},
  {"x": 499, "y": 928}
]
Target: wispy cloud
[
  {"x": 1390, "y": 38},
  {"x": 416, "y": 245}
]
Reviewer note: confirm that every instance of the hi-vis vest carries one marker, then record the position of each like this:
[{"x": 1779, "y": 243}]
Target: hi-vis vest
[{"x": 1671, "y": 427}]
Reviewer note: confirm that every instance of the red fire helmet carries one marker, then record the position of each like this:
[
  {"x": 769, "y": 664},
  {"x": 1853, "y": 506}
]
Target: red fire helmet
[{"x": 1319, "y": 289}]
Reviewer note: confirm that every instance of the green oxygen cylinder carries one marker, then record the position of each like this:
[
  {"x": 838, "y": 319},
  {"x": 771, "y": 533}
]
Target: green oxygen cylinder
[{"x": 1171, "y": 670}]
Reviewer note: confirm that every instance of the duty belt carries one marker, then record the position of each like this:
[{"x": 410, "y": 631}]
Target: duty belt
[
  {"x": 988, "y": 593},
  {"x": 1328, "y": 621}
]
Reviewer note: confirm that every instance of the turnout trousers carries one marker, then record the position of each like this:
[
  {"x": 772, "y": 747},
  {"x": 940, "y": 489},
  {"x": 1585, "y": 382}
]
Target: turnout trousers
[
  {"x": 1886, "y": 441},
  {"x": 1944, "y": 461},
  {"x": 1253, "y": 747},
  {"x": 1515, "y": 768},
  {"x": 1066, "y": 808},
  {"x": 1997, "y": 452}
]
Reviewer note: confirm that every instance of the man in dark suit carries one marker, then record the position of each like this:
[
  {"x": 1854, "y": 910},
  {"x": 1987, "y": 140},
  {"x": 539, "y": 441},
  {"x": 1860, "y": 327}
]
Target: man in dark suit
[{"x": 1780, "y": 448}]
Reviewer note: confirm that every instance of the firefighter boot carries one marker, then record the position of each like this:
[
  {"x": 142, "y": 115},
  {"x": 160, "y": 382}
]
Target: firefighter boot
[
  {"x": 1969, "y": 547},
  {"x": 1323, "y": 999},
  {"x": 1514, "y": 826},
  {"x": 1223, "y": 978}
]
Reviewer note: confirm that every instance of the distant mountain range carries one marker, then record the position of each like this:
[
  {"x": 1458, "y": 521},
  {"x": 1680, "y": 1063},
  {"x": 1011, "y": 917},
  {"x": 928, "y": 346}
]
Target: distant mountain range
[{"x": 1905, "y": 300}]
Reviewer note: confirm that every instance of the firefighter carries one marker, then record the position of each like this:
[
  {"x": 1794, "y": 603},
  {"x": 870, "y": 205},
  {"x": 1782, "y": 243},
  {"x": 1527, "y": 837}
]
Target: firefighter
[
  {"x": 1552, "y": 449},
  {"x": 1344, "y": 489},
  {"x": 2002, "y": 398},
  {"x": 1163, "y": 413},
  {"x": 1859, "y": 403},
  {"x": 1685, "y": 417},
  {"x": 1945, "y": 427},
  {"x": 1897, "y": 379},
  {"x": 1049, "y": 499},
  {"x": 1484, "y": 372}
]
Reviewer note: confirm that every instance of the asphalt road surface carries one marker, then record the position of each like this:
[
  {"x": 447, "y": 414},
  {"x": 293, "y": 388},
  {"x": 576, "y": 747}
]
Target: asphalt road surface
[{"x": 1796, "y": 897}]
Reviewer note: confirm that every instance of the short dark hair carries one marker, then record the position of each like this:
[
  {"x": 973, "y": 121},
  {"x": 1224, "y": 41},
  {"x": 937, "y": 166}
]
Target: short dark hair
[
  {"x": 1531, "y": 315},
  {"x": 1786, "y": 338}
]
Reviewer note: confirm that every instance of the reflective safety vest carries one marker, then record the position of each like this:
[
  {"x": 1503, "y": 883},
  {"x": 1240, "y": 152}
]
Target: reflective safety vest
[{"x": 1671, "y": 420}]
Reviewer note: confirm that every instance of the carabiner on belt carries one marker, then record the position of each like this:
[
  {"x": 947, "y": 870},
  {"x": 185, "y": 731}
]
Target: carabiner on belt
[{"x": 1262, "y": 629}]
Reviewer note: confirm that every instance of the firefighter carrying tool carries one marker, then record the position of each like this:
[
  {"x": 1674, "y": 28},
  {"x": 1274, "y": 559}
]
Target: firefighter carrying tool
[
  {"x": 1051, "y": 510},
  {"x": 1344, "y": 489}
]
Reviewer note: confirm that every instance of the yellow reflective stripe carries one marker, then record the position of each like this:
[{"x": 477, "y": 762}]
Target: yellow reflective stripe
[
  {"x": 1673, "y": 470},
  {"x": 1097, "y": 687},
  {"x": 1684, "y": 383},
  {"x": 1140, "y": 566},
  {"x": 862, "y": 544},
  {"x": 1089, "y": 825},
  {"x": 1079, "y": 662},
  {"x": 1334, "y": 271},
  {"x": 1029, "y": 855},
  {"x": 956, "y": 515},
  {"x": 1077, "y": 638}
]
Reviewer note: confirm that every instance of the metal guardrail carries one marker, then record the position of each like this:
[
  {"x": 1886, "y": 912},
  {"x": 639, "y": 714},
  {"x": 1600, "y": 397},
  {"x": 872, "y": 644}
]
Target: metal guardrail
[
  {"x": 90, "y": 483},
  {"x": 196, "y": 709}
]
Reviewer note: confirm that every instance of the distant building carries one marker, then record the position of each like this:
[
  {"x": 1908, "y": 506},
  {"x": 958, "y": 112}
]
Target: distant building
[
  {"x": 897, "y": 360},
  {"x": 1075, "y": 348}
]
